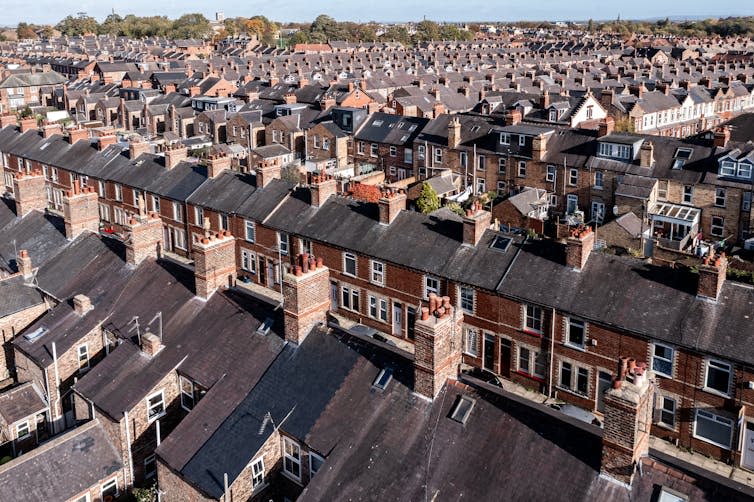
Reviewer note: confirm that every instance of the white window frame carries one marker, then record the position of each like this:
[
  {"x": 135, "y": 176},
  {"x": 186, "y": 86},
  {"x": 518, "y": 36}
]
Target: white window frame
[
  {"x": 663, "y": 359},
  {"x": 250, "y": 231},
  {"x": 551, "y": 173},
  {"x": 294, "y": 457},
  {"x": 182, "y": 380},
  {"x": 688, "y": 194},
  {"x": 20, "y": 426},
  {"x": 576, "y": 371},
  {"x": 531, "y": 317},
  {"x": 570, "y": 321},
  {"x": 156, "y": 204},
  {"x": 599, "y": 180},
  {"x": 430, "y": 288},
  {"x": 248, "y": 261},
  {"x": 151, "y": 418},
  {"x": 85, "y": 354},
  {"x": 522, "y": 168},
  {"x": 573, "y": 177},
  {"x": 717, "y": 230},
  {"x": 467, "y": 298},
  {"x": 377, "y": 272},
  {"x": 719, "y": 365},
  {"x": 348, "y": 295},
  {"x": 471, "y": 340},
  {"x": 177, "y": 212},
  {"x": 150, "y": 459},
  {"x": 106, "y": 486},
  {"x": 717, "y": 419},
  {"x": 257, "y": 473},
  {"x": 118, "y": 191},
  {"x": 720, "y": 197},
  {"x": 199, "y": 216},
  {"x": 505, "y": 138},
  {"x": 521, "y": 140},
  {"x": 283, "y": 243},
  {"x": 347, "y": 257},
  {"x": 662, "y": 411}
]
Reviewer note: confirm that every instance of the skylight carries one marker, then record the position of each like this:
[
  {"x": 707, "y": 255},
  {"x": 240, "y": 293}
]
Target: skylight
[
  {"x": 683, "y": 153},
  {"x": 377, "y": 123},
  {"x": 383, "y": 379},
  {"x": 462, "y": 409},
  {"x": 36, "y": 334},
  {"x": 265, "y": 327},
  {"x": 501, "y": 243}
]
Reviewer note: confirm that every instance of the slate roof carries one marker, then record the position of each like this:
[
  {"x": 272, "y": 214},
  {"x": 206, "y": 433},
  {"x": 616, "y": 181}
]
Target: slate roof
[
  {"x": 62, "y": 468},
  {"x": 17, "y": 296},
  {"x": 390, "y": 129},
  {"x": 20, "y": 402},
  {"x": 40, "y": 234}
]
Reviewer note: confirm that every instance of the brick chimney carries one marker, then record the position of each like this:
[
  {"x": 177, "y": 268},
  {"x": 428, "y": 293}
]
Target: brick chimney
[
  {"x": 267, "y": 170},
  {"x": 454, "y": 132},
  {"x": 138, "y": 147},
  {"x": 544, "y": 99},
  {"x": 174, "y": 155},
  {"x": 289, "y": 98},
  {"x": 50, "y": 130},
  {"x": 217, "y": 163},
  {"x": 151, "y": 344},
  {"x": 327, "y": 102},
  {"x": 512, "y": 117},
  {"x": 78, "y": 134},
  {"x": 24, "y": 265},
  {"x": 606, "y": 127},
  {"x": 214, "y": 263},
  {"x": 322, "y": 187},
  {"x": 578, "y": 247},
  {"x": 390, "y": 205},
  {"x": 628, "y": 420},
  {"x": 539, "y": 147},
  {"x": 437, "y": 346},
  {"x": 8, "y": 120},
  {"x": 476, "y": 221},
  {"x": 80, "y": 211},
  {"x": 144, "y": 238},
  {"x": 607, "y": 97},
  {"x": 29, "y": 192},
  {"x": 712, "y": 274},
  {"x": 27, "y": 124},
  {"x": 647, "y": 154},
  {"x": 306, "y": 297},
  {"x": 721, "y": 137},
  {"x": 105, "y": 141},
  {"x": 82, "y": 304}
]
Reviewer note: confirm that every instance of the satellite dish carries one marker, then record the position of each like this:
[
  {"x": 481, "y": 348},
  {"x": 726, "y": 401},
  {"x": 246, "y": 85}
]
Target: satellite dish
[{"x": 615, "y": 210}]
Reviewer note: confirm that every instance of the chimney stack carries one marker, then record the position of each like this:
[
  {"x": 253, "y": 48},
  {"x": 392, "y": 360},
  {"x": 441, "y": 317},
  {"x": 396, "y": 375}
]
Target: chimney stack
[
  {"x": 24, "y": 265},
  {"x": 322, "y": 187},
  {"x": 578, "y": 247},
  {"x": 50, "y": 130},
  {"x": 144, "y": 238},
  {"x": 174, "y": 155},
  {"x": 80, "y": 211},
  {"x": 138, "y": 147},
  {"x": 27, "y": 124},
  {"x": 647, "y": 154},
  {"x": 217, "y": 163},
  {"x": 82, "y": 304},
  {"x": 391, "y": 204},
  {"x": 606, "y": 127},
  {"x": 306, "y": 297},
  {"x": 8, "y": 120},
  {"x": 151, "y": 344},
  {"x": 29, "y": 192},
  {"x": 475, "y": 223},
  {"x": 721, "y": 137},
  {"x": 78, "y": 134},
  {"x": 289, "y": 98},
  {"x": 712, "y": 274},
  {"x": 539, "y": 146},
  {"x": 628, "y": 421},
  {"x": 105, "y": 141},
  {"x": 268, "y": 170},
  {"x": 214, "y": 263},
  {"x": 544, "y": 100},
  {"x": 512, "y": 117},
  {"x": 454, "y": 132},
  {"x": 607, "y": 97},
  {"x": 437, "y": 348}
]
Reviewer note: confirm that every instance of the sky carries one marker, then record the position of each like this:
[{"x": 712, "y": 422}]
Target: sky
[{"x": 51, "y": 11}]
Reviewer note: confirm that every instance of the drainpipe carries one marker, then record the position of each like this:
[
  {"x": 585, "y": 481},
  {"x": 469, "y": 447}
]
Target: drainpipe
[
  {"x": 128, "y": 443},
  {"x": 552, "y": 353},
  {"x": 57, "y": 383}
]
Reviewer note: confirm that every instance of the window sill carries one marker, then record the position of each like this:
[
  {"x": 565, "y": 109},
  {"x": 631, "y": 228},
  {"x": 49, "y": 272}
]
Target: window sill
[
  {"x": 716, "y": 392},
  {"x": 292, "y": 477},
  {"x": 531, "y": 377},
  {"x": 665, "y": 426},
  {"x": 532, "y": 332},
  {"x": 663, "y": 375},
  {"x": 157, "y": 417},
  {"x": 711, "y": 442},
  {"x": 580, "y": 348},
  {"x": 475, "y": 356},
  {"x": 573, "y": 392}
]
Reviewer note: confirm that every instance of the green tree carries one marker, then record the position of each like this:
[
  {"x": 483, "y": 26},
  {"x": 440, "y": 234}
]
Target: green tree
[
  {"x": 78, "y": 25},
  {"x": 427, "y": 30},
  {"x": 24, "y": 31},
  {"x": 193, "y": 25},
  {"x": 590, "y": 26},
  {"x": 428, "y": 200},
  {"x": 112, "y": 25},
  {"x": 396, "y": 34}
]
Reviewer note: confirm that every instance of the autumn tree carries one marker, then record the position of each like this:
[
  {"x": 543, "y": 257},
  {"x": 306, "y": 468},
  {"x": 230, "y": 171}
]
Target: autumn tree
[{"x": 24, "y": 31}]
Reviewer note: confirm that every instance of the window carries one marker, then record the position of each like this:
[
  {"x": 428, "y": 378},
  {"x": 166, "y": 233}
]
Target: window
[
  {"x": 472, "y": 342},
  {"x": 137, "y": 197},
  {"x": 373, "y": 149},
  {"x": 431, "y": 285},
  {"x": 393, "y": 151},
  {"x": 551, "y": 170},
  {"x": 378, "y": 272},
  {"x": 462, "y": 409},
  {"x": 109, "y": 488},
  {"x": 179, "y": 238},
  {"x": 662, "y": 360},
  {"x": 505, "y": 138},
  {"x": 744, "y": 170},
  {"x": 408, "y": 156},
  {"x": 315, "y": 463},
  {"x": 599, "y": 180},
  {"x": 567, "y": 374},
  {"x": 187, "y": 393},
  {"x": 349, "y": 264},
  {"x": 198, "y": 216},
  {"x": 521, "y": 140},
  {"x": 501, "y": 187},
  {"x": 481, "y": 162},
  {"x": 22, "y": 430},
  {"x": 727, "y": 168},
  {"x": 522, "y": 168},
  {"x": 378, "y": 308},
  {"x": 531, "y": 362},
  {"x": 720, "y": 197},
  {"x": 463, "y": 159},
  {"x": 83, "y": 355},
  {"x": 360, "y": 147},
  {"x": 524, "y": 356},
  {"x": 177, "y": 212},
  {"x": 83, "y": 498},
  {"x": 248, "y": 261},
  {"x": 662, "y": 189},
  {"x": 222, "y": 221},
  {"x": 155, "y": 406},
  {"x": 291, "y": 458},
  {"x": 350, "y": 298},
  {"x": 150, "y": 469},
  {"x": 466, "y": 295},
  {"x": 713, "y": 428},
  {"x": 156, "y": 204},
  {"x": 118, "y": 192},
  {"x": 315, "y": 140},
  {"x": 533, "y": 321},
  {"x": 257, "y": 473},
  {"x": 666, "y": 411},
  {"x": 501, "y": 165},
  {"x": 746, "y": 202},
  {"x": 480, "y": 186},
  {"x": 55, "y": 176},
  {"x": 251, "y": 232},
  {"x": 718, "y": 376},
  {"x": 688, "y": 194},
  {"x": 283, "y": 243},
  {"x": 573, "y": 177},
  {"x": 438, "y": 155},
  {"x": 717, "y": 227},
  {"x": 576, "y": 333},
  {"x": 420, "y": 151}
]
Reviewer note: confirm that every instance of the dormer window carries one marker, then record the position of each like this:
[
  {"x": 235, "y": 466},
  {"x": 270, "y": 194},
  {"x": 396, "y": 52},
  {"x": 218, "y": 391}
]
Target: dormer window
[
  {"x": 553, "y": 115},
  {"x": 614, "y": 150},
  {"x": 505, "y": 138},
  {"x": 727, "y": 168},
  {"x": 744, "y": 170}
]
